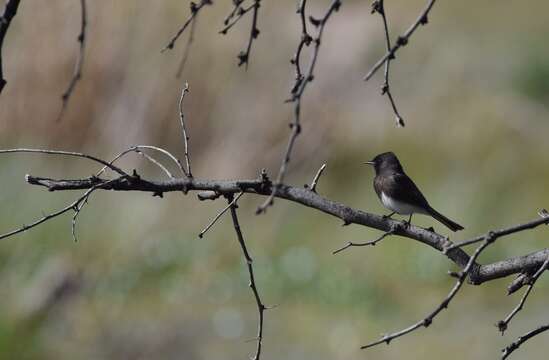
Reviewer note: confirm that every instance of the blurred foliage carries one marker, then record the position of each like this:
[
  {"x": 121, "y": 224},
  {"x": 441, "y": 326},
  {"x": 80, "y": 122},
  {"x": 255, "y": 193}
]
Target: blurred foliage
[{"x": 139, "y": 284}]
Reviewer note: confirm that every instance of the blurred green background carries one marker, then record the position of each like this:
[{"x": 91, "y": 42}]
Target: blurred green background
[{"x": 473, "y": 87}]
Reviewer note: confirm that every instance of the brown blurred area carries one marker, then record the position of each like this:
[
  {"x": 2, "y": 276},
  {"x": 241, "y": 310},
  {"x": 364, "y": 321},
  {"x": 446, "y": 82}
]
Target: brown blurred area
[{"x": 472, "y": 86}]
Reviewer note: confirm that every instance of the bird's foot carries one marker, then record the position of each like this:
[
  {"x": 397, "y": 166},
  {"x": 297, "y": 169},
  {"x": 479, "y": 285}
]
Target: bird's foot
[
  {"x": 408, "y": 223},
  {"x": 385, "y": 217}
]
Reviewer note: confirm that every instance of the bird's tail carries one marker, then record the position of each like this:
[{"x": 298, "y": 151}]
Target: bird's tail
[{"x": 443, "y": 219}]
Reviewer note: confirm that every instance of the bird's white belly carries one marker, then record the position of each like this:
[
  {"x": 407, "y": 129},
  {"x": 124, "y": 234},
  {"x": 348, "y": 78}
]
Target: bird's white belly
[{"x": 400, "y": 207}]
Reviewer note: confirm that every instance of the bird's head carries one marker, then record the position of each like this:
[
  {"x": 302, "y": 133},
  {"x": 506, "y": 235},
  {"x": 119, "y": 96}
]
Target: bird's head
[{"x": 385, "y": 162}]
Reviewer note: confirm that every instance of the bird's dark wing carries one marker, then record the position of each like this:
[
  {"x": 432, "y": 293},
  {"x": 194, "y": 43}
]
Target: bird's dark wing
[{"x": 401, "y": 188}]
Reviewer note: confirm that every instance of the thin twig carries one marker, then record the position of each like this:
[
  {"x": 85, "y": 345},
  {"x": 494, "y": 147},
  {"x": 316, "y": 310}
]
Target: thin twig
[
  {"x": 305, "y": 40},
  {"x": 317, "y": 176},
  {"x": 10, "y": 10},
  {"x": 167, "y": 153},
  {"x": 66, "y": 153},
  {"x": 298, "y": 93},
  {"x": 504, "y": 232},
  {"x": 244, "y": 56},
  {"x": 379, "y": 7},
  {"x": 184, "y": 129},
  {"x": 72, "y": 206},
  {"x": 77, "y": 73},
  {"x": 187, "y": 49},
  {"x": 219, "y": 214},
  {"x": 372, "y": 243},
  {"x": 428, "y": 320},
  {"x": 502, "y": 324},
  {"x": 521, "y": 340},
  {"x": 402, "y": 40},
  {"x": 249, "y": 262},
  {"x": 234, "y": 16},
  {"x": 195, "y": 8},
  {"x": 146, "y": 156},
  {"x": 77, "y": 208}
]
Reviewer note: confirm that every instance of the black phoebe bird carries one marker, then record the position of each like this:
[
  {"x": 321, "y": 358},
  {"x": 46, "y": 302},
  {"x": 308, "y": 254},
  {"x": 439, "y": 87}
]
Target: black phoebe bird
[{"x": 398, "y": 192}]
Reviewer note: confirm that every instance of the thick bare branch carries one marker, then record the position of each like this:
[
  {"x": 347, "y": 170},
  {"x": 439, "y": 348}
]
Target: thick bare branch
[{"x": 262, "y": 186}]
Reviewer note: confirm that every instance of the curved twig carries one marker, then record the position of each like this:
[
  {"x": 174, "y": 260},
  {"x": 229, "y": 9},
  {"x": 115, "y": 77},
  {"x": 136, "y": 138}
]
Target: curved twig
[
  {"x": 137, "y": 151},
  {"x": 521, "y": 340},
  {"x": 66, "y": 153},
  {"x": 184, "y": 129},
  {"x": 367, "y": 243}
]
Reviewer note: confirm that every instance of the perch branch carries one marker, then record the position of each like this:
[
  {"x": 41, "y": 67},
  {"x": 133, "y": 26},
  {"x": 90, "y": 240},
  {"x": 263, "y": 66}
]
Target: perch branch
[{"x": 305, "y": 197}]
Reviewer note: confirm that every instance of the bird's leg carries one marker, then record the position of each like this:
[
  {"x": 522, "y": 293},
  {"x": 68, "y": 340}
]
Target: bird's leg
[
  {"x": 409, "y": 222},
  {"x": 388, "y": 216}
]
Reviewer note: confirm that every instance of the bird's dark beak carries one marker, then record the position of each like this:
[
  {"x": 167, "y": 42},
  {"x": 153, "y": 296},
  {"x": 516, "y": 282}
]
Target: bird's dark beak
[{"x": 369, "y": 163}]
